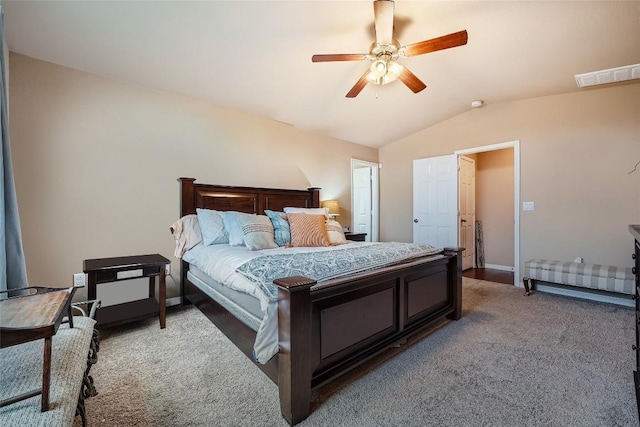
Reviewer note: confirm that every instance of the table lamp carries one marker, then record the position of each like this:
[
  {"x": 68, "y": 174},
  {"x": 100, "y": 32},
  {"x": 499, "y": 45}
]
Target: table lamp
[{"x": 333, "y": 206}]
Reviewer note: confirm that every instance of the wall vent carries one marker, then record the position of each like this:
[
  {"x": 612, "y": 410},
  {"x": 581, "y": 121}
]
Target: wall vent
[{"x": 612, "y": 75}]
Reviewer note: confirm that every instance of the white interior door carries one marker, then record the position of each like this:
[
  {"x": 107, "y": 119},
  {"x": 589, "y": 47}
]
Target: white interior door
[
  {"x": 467, "y": 209},
  {"x": 435, "y": 201},
  {"x": 362, "y": 201}
]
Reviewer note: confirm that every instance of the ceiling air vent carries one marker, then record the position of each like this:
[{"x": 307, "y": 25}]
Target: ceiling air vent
[{"x": 612, "y": 75}]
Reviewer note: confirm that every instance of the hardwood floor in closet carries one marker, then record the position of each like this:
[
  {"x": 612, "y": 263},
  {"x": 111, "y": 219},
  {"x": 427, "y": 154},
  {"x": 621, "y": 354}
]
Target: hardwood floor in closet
[{"x": 498, "y": 276}]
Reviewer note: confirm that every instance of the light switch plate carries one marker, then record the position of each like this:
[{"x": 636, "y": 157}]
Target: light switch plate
[{"x": 528, "y": 206}]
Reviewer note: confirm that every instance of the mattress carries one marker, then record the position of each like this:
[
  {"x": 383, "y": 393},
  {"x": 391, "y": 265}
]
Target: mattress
[{"x": 243, "y": 306}]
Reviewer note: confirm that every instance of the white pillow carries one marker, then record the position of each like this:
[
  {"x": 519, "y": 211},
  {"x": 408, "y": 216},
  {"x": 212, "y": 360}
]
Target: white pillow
[
  {"x": 211, "y": 227},
  {"x": 336, "y": 235},
  {"x": 257, "y": 231},
  {"x": 187, "y": 234},
  {"x": 309, "y": 211}
]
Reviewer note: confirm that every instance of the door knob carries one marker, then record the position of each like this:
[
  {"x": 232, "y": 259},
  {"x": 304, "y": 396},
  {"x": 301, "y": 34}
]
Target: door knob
[
  {"x": 415, "y": 220},
  {"x": 463, "y": 220}
]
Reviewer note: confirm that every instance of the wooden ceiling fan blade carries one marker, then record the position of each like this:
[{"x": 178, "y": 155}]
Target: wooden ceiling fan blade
[
  {"x": 383, "y": 15},
  {"x": 411, "y": 80},
  {"x": 338, "y": 57},
  {"x": 439, "y": 43},
  {"x": 357, "y": 88}
]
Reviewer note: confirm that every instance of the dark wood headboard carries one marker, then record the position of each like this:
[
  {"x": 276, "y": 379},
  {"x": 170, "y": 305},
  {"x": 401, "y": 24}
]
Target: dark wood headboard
[{"x": 242, "y": 199}]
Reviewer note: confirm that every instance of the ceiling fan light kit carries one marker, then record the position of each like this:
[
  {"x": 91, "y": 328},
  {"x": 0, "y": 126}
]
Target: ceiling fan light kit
[
  {"x": 383, "y": 71},
  {"x": 385, "y": 52}
]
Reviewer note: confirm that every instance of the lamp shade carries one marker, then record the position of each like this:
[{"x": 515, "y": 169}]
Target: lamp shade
[{"x": 332, "y": 205}]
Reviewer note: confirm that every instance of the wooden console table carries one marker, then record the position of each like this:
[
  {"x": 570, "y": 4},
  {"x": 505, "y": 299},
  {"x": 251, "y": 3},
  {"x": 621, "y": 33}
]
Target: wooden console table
[
  {"x": 31, "y": 317},
  {"x": 107, "y": 270}
]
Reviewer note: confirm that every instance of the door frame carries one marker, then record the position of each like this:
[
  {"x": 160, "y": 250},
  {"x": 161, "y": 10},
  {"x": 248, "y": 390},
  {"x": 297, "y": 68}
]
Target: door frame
[
  {"x": 473, "y": 207},
  {"x": 375, "y": 192},
  {"x": 516, "y": 197}
]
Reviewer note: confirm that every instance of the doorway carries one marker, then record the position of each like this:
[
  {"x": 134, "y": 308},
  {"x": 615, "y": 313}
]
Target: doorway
[
  {"x": 364, "y": 199},
  {"x": 498, "y": 173},
  {"x": 436, "y": 216}
]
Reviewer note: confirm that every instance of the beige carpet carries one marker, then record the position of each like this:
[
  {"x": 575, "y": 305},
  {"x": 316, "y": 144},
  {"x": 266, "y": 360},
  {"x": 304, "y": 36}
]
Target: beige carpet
[{"x": 542, "y": 360}]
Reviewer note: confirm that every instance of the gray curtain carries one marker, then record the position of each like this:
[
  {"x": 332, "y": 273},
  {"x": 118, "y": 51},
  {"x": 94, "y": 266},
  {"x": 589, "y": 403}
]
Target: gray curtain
[{"x": 13, "y": 271}]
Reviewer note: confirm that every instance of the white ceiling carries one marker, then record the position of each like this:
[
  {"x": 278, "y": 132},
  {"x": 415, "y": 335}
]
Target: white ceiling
[{"x": 255, "y": 56}]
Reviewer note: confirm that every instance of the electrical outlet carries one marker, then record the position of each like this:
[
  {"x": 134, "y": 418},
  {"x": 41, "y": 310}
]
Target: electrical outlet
[
  {"x": 167, "y": 269},
  {"x": 78, "y": 279}
]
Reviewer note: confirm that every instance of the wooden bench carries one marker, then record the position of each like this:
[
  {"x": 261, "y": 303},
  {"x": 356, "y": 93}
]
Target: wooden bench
[
  {"x": 591, "y": 276},
  {"x": 74, "y": 351}
]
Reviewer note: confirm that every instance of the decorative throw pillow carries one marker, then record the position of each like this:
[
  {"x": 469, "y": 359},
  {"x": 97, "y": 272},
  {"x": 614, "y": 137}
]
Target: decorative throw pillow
[
  {"x": 335, "y": 233},
  {"x": 281, "y": 229},
  {"x": 211, "y": 227},
  {"x": 310, "y": 211},
  {"x": 308, "y": 230},
  {"x": 257, "y": 231},
  {"x": 234, "y": 230}
]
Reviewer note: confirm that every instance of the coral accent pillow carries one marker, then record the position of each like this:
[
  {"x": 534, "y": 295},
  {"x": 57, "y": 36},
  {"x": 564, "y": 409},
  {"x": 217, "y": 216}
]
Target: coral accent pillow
[{"x": 308, "y": 230}]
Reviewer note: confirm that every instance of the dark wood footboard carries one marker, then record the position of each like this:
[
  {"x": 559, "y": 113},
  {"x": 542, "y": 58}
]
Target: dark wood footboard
[{"x": 326, "y": 329}]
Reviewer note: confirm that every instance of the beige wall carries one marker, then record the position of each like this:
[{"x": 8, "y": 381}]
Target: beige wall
[
  {"x": 576, "y": 153},
  {"x": 494, "y": 204},
  {"x": 96, "y": 163}
]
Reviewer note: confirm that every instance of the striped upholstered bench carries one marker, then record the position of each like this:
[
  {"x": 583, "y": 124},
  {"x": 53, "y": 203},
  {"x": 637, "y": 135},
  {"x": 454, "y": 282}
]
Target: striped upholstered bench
[{"x": 591, "y": 276}]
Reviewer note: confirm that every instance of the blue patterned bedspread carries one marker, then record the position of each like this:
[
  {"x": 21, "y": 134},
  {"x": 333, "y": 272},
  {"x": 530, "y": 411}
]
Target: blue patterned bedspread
[{"x": 329, "y": 264}]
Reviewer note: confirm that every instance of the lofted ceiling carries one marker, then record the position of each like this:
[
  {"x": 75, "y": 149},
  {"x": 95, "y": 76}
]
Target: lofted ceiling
[{"x": 255, "y": 56}]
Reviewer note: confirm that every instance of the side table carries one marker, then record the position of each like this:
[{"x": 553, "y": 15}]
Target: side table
[
  {"x": 107, "y": 270},
  {"x": 356, "y": 237},
  {"x": 31, "y": 317}
]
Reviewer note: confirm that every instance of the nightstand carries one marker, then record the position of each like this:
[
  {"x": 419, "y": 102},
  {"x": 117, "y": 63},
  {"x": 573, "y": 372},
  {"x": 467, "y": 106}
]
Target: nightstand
[
  {"x": 106, "y": 270},
  {"x": 356, "y": 237}
]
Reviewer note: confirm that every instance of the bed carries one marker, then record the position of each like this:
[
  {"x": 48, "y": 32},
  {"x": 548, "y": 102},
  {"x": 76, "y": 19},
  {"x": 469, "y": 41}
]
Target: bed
[{"x": 325, "y": 328}]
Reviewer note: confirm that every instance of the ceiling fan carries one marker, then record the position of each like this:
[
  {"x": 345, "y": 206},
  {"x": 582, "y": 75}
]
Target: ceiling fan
[{"x": 385, "y": 51}]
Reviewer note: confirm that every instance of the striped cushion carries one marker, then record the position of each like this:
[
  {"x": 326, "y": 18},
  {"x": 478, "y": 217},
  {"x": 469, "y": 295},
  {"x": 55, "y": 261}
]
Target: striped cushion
[
  {"x": 308, "y": 230},
  {"x": 257, "y": 231},
  {"x": 335, "y": 233},
  {"x": 593, "y": 276}
]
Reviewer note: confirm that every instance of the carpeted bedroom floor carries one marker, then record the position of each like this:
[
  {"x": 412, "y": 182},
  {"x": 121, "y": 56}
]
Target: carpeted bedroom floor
[{"x": 543, "y": 360}]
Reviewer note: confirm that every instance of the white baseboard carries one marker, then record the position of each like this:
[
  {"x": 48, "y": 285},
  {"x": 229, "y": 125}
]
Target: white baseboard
[
  {"x": 576, "y": 293},
  {"x": 498, "y": 267}
]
